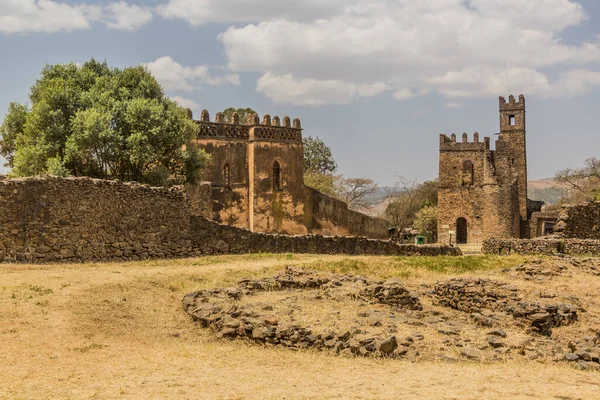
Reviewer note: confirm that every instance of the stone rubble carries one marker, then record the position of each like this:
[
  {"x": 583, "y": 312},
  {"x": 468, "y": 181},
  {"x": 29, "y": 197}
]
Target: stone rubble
[
  {"x": 471, "y": 295},
  {"x": 250, "y": 323},
  {"x": 473, "y": 330}
]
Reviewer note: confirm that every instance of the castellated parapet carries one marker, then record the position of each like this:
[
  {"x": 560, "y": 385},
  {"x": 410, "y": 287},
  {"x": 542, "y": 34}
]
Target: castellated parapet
[
  {"x": 483, "y": 192},
  {"x": 251, "y": 129}
]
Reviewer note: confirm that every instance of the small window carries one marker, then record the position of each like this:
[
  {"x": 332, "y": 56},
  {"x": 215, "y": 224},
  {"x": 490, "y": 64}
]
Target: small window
[
  {"x": 512, "y": 120},
  {"x": 467, "y": 172},
  {"x": 276, "y": 176},
  {"x": 227, "y": 176}
]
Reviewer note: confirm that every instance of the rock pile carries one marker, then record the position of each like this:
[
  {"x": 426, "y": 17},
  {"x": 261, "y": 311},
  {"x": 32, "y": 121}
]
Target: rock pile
[
  {"x": 585, "y": 352},
  {"x": 471, "y": 295},
  {"x": 543, "y": 318},
  {"x": 474, "y": 295},
  {"x": 541, "y": 270},
  {"x": 246, "y": 321},
  {"x": 392, "y": 293}
]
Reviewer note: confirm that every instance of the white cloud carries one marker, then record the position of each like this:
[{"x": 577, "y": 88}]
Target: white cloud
[
  {"x": 123, "y": 16},
  {"x": 49, "y": 16},
  {"x": 287, "y": 89},
  {"x": 198, "y": 12},
  {"x": 410, "y": 48},
  {"x": 17, "y": 16},
  {"x": 174, "y": 76}
]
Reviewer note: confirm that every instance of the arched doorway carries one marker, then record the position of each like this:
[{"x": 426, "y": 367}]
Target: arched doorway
[{"x": 461, "y": 231}]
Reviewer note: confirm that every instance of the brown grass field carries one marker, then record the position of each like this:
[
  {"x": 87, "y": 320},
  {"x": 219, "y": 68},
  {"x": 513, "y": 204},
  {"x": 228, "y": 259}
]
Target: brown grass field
[{"x": 108, "y": 331}]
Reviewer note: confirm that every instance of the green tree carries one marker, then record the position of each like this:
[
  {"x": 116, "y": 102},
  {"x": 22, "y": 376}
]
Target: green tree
[
  {"x": 242, "y": 113},
  {"x": 318, "y": 156},
  {"x": 319, "y": 166},
  {"x": 104, "y": 123},
  {"x": 426, "y": 223},
  {"x": 407, "y": 198},
  {"x": 324, "y": 183}
]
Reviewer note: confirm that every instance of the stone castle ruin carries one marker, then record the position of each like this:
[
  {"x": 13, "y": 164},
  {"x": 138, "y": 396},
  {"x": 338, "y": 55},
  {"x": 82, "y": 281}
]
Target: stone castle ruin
[
  {"x": 257, "y": 181},
  {"x": 483, "y": 192},
  {"x": 256, "y": 192}
]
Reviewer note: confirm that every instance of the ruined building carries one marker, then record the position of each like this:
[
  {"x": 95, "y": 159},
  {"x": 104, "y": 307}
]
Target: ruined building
[
  {"x": 257, "y": 181},
  {"x": 483, "y": 192}
]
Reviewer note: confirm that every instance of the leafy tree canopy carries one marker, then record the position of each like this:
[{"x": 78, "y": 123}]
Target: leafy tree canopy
[
  {"x": 318, "y": 157},
  {"x": 242, "y": 113},
  {"x": 407, "y": 198},
  {"x": 95, "y": 121},
  {"x": 426, "y": 223}
]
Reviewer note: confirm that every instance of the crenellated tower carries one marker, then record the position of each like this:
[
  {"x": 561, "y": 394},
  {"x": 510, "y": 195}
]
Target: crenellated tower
[
  {"x": 511, "y": 148},
  {"x": 483, "y": 192},
  {"x": 257, "y": 171}
]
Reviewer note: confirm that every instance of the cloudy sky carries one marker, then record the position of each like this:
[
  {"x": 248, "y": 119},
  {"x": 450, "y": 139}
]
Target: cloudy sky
[{"x": 378, "y": 80}]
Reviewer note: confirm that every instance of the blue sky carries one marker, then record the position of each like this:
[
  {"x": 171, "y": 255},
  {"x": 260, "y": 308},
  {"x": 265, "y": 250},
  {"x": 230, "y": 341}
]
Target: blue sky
[{"x": 377, "y": 80}]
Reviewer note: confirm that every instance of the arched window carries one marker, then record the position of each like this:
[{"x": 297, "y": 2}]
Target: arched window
[
  {"x": 226, "y": 176},
  {"x": 276, "y": 176},
  {"x": 467, "y": 173}
]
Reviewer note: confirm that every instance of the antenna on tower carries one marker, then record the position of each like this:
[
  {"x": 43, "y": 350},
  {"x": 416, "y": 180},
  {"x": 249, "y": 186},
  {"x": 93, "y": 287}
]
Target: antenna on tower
[{"x": 507, "y": 81}]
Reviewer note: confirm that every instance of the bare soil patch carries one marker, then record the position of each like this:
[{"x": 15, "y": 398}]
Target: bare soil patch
[{"x": 107, "y": 331}]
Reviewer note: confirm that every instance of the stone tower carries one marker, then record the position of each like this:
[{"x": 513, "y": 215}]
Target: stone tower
[
  {"x": 483, "y": 192},
  {"x": 511, "y": 154}
]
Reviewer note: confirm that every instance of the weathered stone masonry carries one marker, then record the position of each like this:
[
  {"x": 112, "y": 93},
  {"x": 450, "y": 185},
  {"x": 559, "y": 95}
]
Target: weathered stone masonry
[
  {"x": 50, "y": 219},
  {"x": 579, "y": 221},
  {"x": 257, "y": 181},
  {"x": 577, "y": 232},
  {"x": 483, "y": 192},
  {"x": 82, "y": 219}
]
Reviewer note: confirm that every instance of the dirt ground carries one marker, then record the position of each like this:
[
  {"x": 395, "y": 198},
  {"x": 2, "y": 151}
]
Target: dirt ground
[{"x": 118, "y": 331}]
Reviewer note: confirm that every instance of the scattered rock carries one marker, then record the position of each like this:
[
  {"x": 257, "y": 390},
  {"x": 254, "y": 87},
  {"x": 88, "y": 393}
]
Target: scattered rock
[
  {"x": 387, "y": 346},
  {"x": 495, "y": 342},
  {"x": 471, "y": 354},
  {"x": 498, "y": 332}
]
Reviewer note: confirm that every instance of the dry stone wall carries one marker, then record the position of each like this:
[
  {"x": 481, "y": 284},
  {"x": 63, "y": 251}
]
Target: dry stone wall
[
  {"x": 48, "y": 219},
  {"x": 580, "y": 221},
  {"x": 549, "y": 246},
  {"x": 73, "y": 219},
  {"x": 211, "y": 238}
]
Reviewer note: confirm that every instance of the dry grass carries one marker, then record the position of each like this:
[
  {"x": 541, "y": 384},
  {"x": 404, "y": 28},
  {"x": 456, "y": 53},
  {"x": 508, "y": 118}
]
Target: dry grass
[{"x": 117, "y": 331}]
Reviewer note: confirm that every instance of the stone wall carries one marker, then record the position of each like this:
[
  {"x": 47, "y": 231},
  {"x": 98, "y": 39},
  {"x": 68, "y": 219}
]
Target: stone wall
[
  {"x": 579, "y": 221},
  {"x": 210, "y": 238},
  {"x": 200, "y": 199},
  {"x": 329, "y": 216},
  {"x": 549, "y": 246},
  {"x": 51, "y": 219}
]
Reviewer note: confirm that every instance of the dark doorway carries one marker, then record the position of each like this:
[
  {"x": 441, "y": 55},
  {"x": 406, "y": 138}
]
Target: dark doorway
[
  {"x": 461, "y": 231},
  {"x": 548, "y": 228}
]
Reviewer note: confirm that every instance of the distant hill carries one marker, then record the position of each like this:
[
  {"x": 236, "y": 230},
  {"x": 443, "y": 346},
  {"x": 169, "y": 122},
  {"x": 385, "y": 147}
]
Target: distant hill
[{"x": 545, "y": 190}]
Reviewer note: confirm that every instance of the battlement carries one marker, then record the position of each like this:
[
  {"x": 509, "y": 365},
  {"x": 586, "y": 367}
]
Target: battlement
[
  {"x": 251, "y": 129},
  {"x": 450, "y": 143},
  {"x": 512, "y": 104}
]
